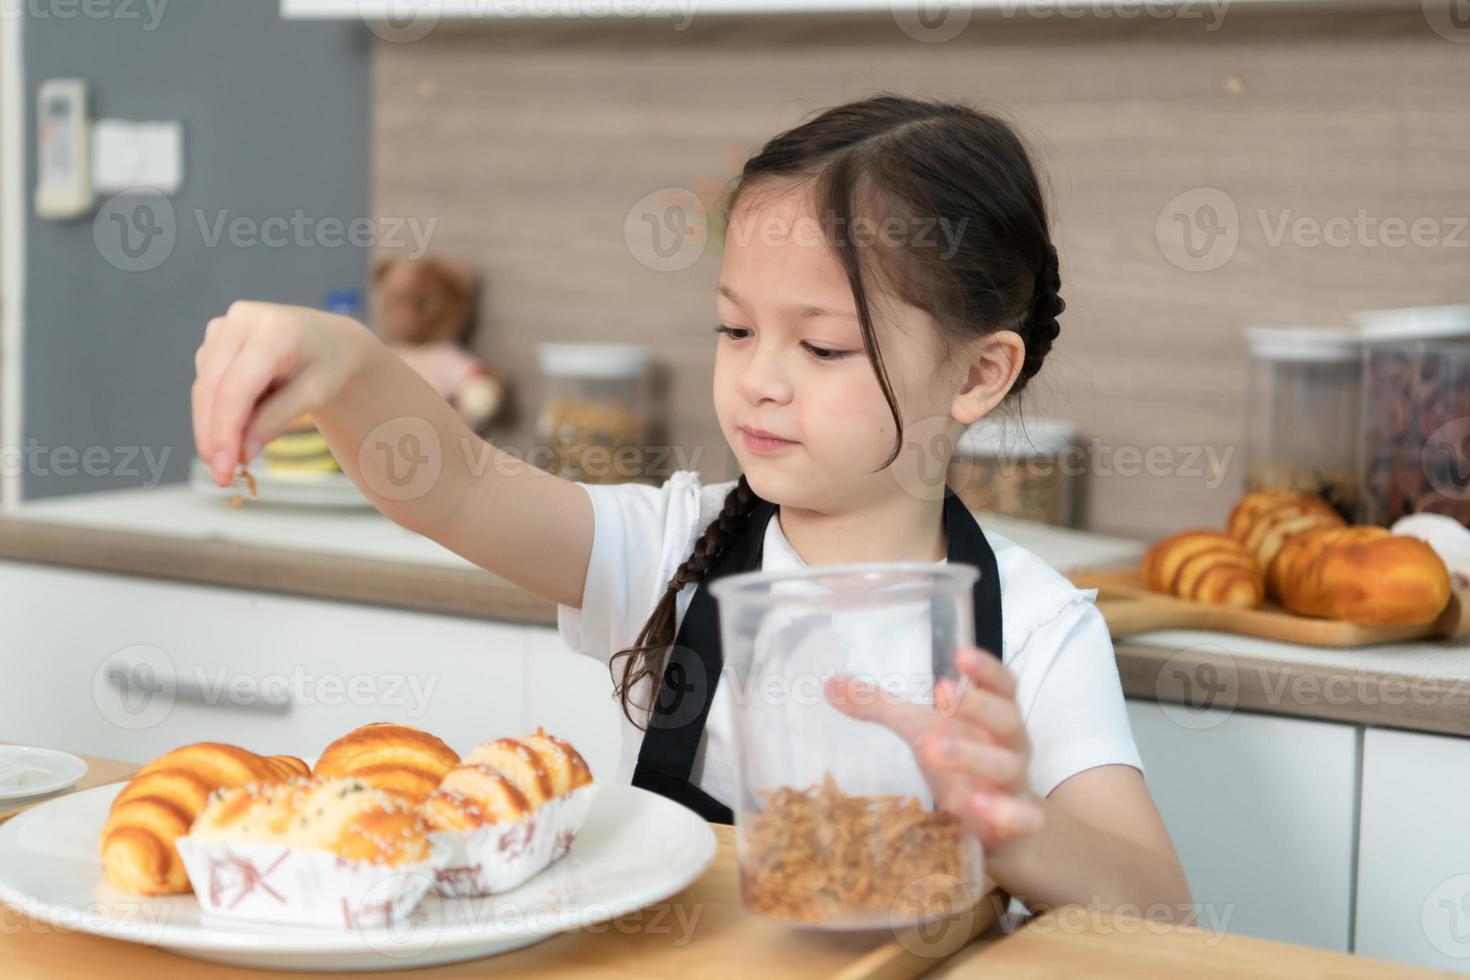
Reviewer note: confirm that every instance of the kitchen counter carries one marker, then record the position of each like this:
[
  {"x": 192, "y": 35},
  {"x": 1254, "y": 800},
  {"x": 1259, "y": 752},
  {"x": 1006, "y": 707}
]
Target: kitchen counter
[
  {"x": 1064, "y": 943},
  {"x": 358, "y": 555}
]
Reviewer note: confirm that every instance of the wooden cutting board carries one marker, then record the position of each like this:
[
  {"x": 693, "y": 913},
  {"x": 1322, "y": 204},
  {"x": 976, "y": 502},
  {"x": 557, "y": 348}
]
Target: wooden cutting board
[{"x": 1130, "y": 607}]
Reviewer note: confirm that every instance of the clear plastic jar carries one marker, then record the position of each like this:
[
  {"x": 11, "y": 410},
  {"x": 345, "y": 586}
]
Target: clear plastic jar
[
  {"x": 1305, "y": 399},
  {"x": 1019, "y": 467},
  {"x": 1416, "y": 413},
  {"x": 835, "y": 824},
  {"x": 594, "y": 409}
]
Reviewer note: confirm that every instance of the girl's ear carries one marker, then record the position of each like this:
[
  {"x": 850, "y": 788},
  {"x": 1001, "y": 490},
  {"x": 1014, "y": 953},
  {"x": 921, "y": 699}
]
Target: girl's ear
[{"x": 995, "y": 361}]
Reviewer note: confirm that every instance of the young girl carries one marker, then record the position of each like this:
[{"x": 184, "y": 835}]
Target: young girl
[{"x": 888, "y": 279}]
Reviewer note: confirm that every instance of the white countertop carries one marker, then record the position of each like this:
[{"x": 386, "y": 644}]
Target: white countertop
[{"x": 179, "y": 511}]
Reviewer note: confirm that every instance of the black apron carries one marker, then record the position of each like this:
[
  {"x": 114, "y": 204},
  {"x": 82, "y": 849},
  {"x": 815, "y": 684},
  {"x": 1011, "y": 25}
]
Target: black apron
[{"x": 692, "y": 672}]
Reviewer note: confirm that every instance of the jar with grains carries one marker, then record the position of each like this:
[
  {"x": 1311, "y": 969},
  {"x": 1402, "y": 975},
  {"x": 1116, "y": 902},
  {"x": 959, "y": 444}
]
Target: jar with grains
[
  {"x": 593, "y": 418},
  {"x": 1304, "y": 400},
  {"x": 1020, "y": 467},
  {"x": 835, "y": 824},
  {"x": 1415, "y": 430}
]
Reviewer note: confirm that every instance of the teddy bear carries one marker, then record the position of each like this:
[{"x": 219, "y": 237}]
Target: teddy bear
[{"x": 424, "y": 309}]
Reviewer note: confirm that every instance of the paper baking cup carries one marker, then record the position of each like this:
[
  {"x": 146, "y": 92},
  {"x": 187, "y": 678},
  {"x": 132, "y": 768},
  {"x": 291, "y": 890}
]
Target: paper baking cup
[
  {"x": 498, "y": 857},
  {"x": 270, "y": 883}
]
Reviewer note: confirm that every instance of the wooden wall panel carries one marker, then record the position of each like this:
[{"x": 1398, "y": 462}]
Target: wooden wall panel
[{"x": 530, "y": 141}]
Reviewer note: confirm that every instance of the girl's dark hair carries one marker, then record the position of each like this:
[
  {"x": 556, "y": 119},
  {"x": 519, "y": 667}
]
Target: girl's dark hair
[{"x": 976, "y": 255}]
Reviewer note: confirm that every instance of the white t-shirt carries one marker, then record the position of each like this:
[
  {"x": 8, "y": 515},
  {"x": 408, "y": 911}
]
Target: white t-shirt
[{"x": 1055, "y": 641}]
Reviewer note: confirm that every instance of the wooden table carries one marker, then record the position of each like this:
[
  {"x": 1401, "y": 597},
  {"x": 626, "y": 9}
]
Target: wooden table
[{"x": 704, "y": 933}]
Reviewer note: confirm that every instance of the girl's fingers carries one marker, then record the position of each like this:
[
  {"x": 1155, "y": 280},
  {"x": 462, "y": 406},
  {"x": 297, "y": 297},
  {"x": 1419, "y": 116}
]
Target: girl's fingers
[
  {"x": 210, "y": 361},
  {"x": 249, "y": 374},
  {"x": 996, "y": 714},
  {"x": 274, "y": 413},
  {"x": 867, "y": 702},
  {"x": 985, "y": 670},
  {"x": 996, "y": 817},
  {"x": 948, "y": 750}
]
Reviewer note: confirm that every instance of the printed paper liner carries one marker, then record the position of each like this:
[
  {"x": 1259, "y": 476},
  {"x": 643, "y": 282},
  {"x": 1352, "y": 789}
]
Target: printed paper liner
[
  {"x": 300, "y": 886},
  {"x": 498, "y": 857}
]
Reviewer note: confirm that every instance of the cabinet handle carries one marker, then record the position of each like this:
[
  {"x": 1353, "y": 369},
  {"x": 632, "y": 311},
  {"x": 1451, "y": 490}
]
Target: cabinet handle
[{"x": 132, "y": 677}]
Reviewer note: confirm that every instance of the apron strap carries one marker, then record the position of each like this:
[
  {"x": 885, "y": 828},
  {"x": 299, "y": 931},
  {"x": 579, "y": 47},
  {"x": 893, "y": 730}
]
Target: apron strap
[{"x": 692, "y": 670}]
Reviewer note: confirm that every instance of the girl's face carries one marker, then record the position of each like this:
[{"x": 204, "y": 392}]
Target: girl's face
[{"x": 790, "y": 361}]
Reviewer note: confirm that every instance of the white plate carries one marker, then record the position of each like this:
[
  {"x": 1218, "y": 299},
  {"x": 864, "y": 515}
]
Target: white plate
[
  {"x": 58, "y": 771},
  {"x": 636, "y": 848},
  {"x": 303, "y": 490}
]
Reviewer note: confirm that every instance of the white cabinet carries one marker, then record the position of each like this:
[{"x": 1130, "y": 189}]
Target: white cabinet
[
  {"x": 1414, "y": 852},
  {"x": 1261, "y": 810},
  {"x": 230, "y": 653}
]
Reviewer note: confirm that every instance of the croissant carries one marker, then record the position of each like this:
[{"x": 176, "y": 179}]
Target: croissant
[
  {"x": 347, "y": 817},
  {"x": 1204, "y": 566},
  {"x": 396, "y": 758},
  {"x": 506, "y": 779},
  {"x": 1361, "y": 574},
  {"x": 160, "y": 803},
  {"x": 1264, "y": 520}
]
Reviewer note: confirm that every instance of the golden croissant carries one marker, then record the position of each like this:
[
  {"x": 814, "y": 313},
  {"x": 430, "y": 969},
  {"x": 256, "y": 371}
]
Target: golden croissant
[
  {"x": 160, "y": 803},
  {"x": 1264, "y": 520},
  {"x": 1204, "y": 566},
  {"x": 398, "y": 759},
  {"x": 506, "y": 779},
  {"x": 1361, "y": 574},
  {"x": 347, "y": 817}
]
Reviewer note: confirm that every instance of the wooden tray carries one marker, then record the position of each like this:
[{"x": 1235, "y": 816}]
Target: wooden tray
[{"x": 1130, "y": 607}]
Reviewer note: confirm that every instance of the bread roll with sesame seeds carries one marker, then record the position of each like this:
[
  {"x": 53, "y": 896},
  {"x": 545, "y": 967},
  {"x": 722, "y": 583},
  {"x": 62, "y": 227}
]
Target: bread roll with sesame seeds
[
  {"x": 472, "y": 796},
  {"x": 346, "y": 817},
  {"x": 506, "y": 779},
  {"x": 398, "y": 759}
]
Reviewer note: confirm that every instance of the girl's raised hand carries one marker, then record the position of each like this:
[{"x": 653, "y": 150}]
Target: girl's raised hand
[
  {"x": 971, "y": 746},
  {"x": 261, "y": 366}
]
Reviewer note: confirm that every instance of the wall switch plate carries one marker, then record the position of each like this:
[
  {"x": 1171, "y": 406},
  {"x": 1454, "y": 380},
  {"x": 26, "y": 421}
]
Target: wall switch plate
[
  {"x": 130, "y": 155},
  {"x": 63, "y": 170}
]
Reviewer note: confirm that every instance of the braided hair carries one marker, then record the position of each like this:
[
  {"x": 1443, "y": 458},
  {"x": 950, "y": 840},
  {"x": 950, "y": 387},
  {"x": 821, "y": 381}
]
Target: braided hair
[{"x": 931, "y": 163}]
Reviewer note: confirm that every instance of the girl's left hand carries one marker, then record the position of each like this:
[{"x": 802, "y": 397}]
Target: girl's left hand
[{"x": 971, "y": 746}]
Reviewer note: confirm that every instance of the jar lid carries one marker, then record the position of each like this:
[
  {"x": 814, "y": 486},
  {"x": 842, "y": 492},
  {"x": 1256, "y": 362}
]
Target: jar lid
[
  {"x": 593, "y": 359},
  {"x": 1414, "y": 323},
  {"x": 1317, "y": 345},
  {"x": 1011, "y": 437}
]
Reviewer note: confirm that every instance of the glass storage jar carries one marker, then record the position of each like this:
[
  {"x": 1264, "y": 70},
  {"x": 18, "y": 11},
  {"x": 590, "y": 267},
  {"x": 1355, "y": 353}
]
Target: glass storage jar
[
  {"x": 1019, "y": 467},
  {"x": 835, "y": 824},
  {"x": 1416, "y": 413},
  {"x": 594, "y": 409},
  {"x": 1304, "y": 401}
]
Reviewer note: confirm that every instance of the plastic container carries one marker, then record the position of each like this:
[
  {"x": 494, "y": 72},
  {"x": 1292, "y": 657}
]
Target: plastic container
[
  {"x": 1019, "y": 467},
  {"x": 1305, "y": 400},
  {"x": 835, "y": 824},
  {"x": 594, "y": 410},
  {"x": 1416, "y": 413}
]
